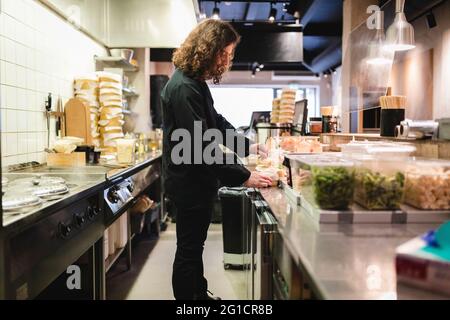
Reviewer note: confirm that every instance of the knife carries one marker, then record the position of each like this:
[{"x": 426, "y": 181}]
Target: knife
[
  {"x": 48, "y": 108},
  {"x": 58, "y": 117}
]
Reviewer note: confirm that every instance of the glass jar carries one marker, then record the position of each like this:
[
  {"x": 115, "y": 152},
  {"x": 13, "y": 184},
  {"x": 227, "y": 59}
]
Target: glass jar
[{"x": 315, "y": 125}]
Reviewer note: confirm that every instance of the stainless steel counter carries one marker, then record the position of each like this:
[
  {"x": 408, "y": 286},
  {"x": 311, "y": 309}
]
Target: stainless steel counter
[
  {"x": 345, "y": 261},
  {"x": 85, "y": 179}
]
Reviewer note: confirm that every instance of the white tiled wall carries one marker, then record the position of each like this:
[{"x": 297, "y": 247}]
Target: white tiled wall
[{"x": 39, "y": 53}]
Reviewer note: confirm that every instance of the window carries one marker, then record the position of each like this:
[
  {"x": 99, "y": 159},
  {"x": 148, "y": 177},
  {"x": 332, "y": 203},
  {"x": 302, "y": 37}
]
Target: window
[
  {"x": 237, "y": 104},
  {"x": 309, "y": 93}
]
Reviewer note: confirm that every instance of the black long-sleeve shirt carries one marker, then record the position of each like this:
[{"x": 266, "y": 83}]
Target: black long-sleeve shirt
[{"x": 187, "y": 103}]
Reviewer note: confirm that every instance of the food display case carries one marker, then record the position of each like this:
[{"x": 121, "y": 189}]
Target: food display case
[{"x": 328, "y": 177}]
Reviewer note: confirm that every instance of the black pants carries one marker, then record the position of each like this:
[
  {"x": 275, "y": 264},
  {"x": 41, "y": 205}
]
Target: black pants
[{"x": 192, "y": 222}]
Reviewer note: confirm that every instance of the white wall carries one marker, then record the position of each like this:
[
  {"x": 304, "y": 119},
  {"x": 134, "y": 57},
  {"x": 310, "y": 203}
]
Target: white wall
[{"x": 40, "y": 53}]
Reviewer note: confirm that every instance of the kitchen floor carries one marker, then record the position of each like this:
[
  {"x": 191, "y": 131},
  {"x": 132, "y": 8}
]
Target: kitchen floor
[{"x": 150, "y": 277}]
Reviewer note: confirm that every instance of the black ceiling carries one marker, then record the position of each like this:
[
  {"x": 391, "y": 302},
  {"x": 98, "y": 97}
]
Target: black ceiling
[{"x": 321, "y": 22}]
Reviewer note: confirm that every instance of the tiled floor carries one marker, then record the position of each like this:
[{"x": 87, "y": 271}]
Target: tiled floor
[{"x": 150, "y": 276}]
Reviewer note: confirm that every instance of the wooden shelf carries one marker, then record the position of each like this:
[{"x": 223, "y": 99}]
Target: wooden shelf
[{"x": 117, "y": 62}]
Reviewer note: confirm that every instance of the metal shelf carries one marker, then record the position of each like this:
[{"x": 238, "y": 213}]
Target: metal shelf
[
  {"x": 111, "y": 260},
  {"x": 117, "y": 62},
  {"x": 129, "y": 93}
]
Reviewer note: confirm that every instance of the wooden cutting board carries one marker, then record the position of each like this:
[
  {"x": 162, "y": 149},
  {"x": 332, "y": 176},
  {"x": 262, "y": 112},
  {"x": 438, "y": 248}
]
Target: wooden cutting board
[{"x": 78, "y": 120}]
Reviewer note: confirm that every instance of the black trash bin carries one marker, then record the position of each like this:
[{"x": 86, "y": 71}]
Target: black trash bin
[{"x": 232, "y": 202}]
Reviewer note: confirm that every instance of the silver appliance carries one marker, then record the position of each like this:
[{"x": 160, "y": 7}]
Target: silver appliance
[
  {"x": 259, "y": 236},
  {"x": 264, "y": 230},
  {"x": 410, "y": 129}
]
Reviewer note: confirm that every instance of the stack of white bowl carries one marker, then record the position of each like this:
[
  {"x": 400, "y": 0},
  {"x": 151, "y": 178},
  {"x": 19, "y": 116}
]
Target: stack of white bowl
[
  {"x": 86, "y": 89},
  {"x": 111, "y": 111}
]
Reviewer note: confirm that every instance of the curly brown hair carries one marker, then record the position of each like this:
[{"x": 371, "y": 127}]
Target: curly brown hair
[{"x": 198, "y": 54}]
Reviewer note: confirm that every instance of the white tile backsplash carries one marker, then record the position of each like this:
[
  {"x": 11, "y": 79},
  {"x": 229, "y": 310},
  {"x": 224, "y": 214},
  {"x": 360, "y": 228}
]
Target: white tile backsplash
[
  {"x": 21, "y": 80},
  {"x": 22, "y": 101},
  {"x": 11, "y": 124},
  {"x": 11, "y": 144},
  {"x": 31, "y": 143},
  {"x": 21, "y": 121},
  {"x": 39, "y": 53},
  {"x": 10, "y": 74},
  {"x": 22, "y": 143},
  {"x": 3, "y": 115},
  {"x": 21, "y": 55},
  {"x": 11, "y": 97}
]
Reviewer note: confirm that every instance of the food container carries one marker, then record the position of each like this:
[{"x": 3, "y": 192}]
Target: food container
[
  {"x": 427, "y": 185},
  {"x": 356, "y": 149},
  {"x": 379, "y": 182},
  {"x": 300, "y": 144},
  {"x": 125, "y": 150},
  {"x": 315, "y": 125},
  {"x": 331, "y": 179}
]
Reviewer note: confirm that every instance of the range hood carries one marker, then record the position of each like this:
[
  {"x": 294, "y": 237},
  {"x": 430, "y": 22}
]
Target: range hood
[{"x": 149, "y": 23}]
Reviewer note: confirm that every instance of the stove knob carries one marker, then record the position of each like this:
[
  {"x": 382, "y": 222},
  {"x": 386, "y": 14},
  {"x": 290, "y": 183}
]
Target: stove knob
[
  {"x": 113, "y": 196},
  {"x": 79, "y": 220},
  {"x": 90, "y": 213},
  {"x": 96, "y": 210},
  {"x": 64, "y": 230},
  {"x": 130, "y": 187}
]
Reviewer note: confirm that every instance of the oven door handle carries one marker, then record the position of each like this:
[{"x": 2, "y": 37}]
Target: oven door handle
[{"x": 268, "y": 226}]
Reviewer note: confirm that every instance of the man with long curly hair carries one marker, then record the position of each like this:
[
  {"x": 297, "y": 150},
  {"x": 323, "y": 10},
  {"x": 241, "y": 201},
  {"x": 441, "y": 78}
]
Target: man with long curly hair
[{"x": 205, "y": 55}]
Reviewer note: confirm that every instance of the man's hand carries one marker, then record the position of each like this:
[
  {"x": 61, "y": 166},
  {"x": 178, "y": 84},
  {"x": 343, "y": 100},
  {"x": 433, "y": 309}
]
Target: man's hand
[
  {"x": 260, "y": 150},
  {"x": 258, "y": 180}
]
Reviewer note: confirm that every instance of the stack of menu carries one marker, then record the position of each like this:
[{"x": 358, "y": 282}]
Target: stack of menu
[
  {"x": 111, "y": 112},
  {"x": 86, "y": 89}
]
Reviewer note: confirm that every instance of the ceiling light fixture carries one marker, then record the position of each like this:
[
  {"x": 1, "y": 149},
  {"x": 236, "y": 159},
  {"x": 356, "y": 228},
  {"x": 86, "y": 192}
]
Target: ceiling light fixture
[
  {"x": 273, "y": 13},
  {"x": 216, "y": 12},
  {"x": 377, "y": 55},
  {"x": 400, "y": 35}
]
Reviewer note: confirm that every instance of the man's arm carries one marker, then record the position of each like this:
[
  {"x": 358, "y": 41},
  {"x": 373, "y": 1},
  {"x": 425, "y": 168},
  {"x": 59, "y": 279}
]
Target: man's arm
[
  {"x": 188, "y": 105},
  {"x": 232, "y": 138}
]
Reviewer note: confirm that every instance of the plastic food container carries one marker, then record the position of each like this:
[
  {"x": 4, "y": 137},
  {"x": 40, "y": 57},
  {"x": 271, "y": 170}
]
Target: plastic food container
[
  {"x": 427, "y": 185},
  {"x": 379, "y": 183},
  {"x": 356, "y": 149},
  {"x": 125, "y": 150},
  {"x": 331, "y": 179}
]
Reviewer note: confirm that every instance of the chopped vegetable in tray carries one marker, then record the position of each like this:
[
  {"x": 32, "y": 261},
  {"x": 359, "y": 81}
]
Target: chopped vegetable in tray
[
  {"x": 333, "y": 187},
  {"x": 377, "y": 191}
]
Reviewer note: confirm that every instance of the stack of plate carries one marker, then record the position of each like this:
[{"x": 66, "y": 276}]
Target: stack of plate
[
  {"x": 275, "y": 115},
  {"x": 287, "y": 106},
  {"x": 111, "y": 111}
]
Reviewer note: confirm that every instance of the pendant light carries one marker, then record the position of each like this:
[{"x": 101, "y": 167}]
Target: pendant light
[
  {"x": 377, "y": 54},
  {"x": 216, "y": 12},
  {"x": 273, "y": 13},
  {"x": 400, "y": 35}
]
